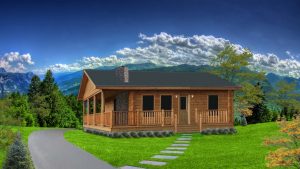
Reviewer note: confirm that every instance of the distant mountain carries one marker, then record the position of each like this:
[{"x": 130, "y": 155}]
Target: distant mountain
[
  {"x": 69, "y": 83},
  {"x": 14, "y": 82},
  {"x": 273, "y": 79}
]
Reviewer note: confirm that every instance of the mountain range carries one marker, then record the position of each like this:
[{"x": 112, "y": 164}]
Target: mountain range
[
  {"x": 14, "y": 82},
  {"x": 69, "y": 82}
]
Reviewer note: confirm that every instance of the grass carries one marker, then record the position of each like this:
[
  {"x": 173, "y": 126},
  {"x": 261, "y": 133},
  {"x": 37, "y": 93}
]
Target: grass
[
  {"x": 25, "y": 131},
  {"x": 243, "y": 150}
]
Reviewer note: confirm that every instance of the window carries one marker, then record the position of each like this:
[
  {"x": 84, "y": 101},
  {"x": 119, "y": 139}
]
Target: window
[
  {"x": 213, "y": 102},
  {"x": 166, "y": 102},
  {"x": 85, "y": 110},
  {"x": 91, "y": 103},
  {"x": 148, "y": 103},
  {"x": 182, "y": 103},
  {"x": 98, "y": 103}
]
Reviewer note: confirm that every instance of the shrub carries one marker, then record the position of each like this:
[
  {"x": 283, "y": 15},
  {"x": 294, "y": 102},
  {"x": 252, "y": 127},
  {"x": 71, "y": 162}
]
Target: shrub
[
  {"x": 237, "y": 121},
  {"x": 226, "y": 131},
  {"x": 133, "y": 134},
  {"x": 243, "y": 120},
  {"x": 18, "y": 156},
  {"x": 214, "y": 131},
  {"x": 232, "y": 131},
  {"x": 219, "y": 131},
  {"x": 116, "y": 135},
  {"x": 157, "y": 134},
  {"x": 209, "y": 131},
  {"x": 6, "y": 137},
  {"x": 171, "y": 133},
  {"x": 142, "y": 134},
  {"x": 150, "y": 134},
  {"x": 125, "y": 134},
  {"x": 165, "y": 133}
]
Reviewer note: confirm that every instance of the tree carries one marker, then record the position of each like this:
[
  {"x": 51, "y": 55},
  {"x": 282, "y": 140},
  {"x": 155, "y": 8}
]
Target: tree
[
  {"x": 232, "y": 66},
  {"x": 34, "y": 88},
  {"x": 288, "y": 153},
  {"x": 260, "y": 110},
  {"x": 41, "y": 109},
  {"x": 61, "y": 115},
  {"x": 20, "y": 109},
  {"x": 286, "y": 97},
  {"x": 75, "y": 105},
  {"x": 48, "y": 84},
  {"x": 18, "y": 156}
]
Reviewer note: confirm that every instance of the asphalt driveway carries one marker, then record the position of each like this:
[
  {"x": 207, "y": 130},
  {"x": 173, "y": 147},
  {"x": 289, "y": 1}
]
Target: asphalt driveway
[{"x": 49, "y": 150}]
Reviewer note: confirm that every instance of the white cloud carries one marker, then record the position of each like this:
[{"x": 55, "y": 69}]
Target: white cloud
[
  {"x": 168, "y": 50},
  {"x": 15, "y": 62}
]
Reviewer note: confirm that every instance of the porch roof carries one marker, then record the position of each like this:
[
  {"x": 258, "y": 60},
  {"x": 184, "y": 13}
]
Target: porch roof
[{"x": 108, "y": 78}]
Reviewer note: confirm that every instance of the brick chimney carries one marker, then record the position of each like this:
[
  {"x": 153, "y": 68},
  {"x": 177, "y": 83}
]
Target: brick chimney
[{"x": 122, "y": 74}]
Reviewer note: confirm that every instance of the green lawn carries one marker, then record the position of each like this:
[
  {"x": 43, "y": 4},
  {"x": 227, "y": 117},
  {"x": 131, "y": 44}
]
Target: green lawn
[
  {"x": 25, "y": 131},
  {"x": 243, "y": 150}
]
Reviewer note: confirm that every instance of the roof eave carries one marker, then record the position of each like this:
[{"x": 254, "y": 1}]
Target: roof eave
[{"x": 166, "y": 88}]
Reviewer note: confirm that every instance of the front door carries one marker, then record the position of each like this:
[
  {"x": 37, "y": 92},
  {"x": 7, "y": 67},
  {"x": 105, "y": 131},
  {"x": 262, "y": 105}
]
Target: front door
[{"x": 183, "y": 110}]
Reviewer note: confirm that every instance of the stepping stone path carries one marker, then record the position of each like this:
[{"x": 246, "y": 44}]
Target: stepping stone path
[
  {"x": 180, "y": 145},
  {"x": 131, "y": 167},
  {"x": 184, "y": 139},
  {"x": 157, "y": 163},
  {"x": 165, "y": 157},
  {"x": 170, "y": 153}
]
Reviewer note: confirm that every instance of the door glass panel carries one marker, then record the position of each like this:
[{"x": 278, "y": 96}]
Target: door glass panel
[{"x": 183, "y": 103}]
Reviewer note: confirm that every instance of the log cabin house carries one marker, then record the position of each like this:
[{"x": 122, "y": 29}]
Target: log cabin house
[{"x": 122, "y": 100}]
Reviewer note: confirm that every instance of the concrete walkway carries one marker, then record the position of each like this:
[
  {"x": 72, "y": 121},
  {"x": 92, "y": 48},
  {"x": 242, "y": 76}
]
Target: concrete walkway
[{"x": 49, "y": 150}]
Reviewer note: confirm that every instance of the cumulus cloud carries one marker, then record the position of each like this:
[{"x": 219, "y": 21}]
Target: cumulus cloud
[
  {"x": 15, "y": 62},
  {"x": 169, "y": 50}
]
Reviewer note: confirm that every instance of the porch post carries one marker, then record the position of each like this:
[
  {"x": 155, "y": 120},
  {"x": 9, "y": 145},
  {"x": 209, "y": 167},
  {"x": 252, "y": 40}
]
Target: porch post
[
  {"x": 102, "y": 102},
  {"x": 196, "y": 115},
  {"x": 175, "y": 125},
  {"x": 102, "y": 108},
  {"x": 200, "y": 122},
  {"x": 163, "y": 117},
  {"x": 138, "y": 118},
  {"x": 94, "y": 110},
  {"x": 83, "y": 114},
  {"x": 88, "y": 112},
  {"x": 189, "y": 109}
]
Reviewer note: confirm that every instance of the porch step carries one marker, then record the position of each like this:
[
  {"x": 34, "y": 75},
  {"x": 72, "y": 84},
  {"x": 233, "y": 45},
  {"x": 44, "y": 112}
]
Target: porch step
[{"x": 187, "y": 128}]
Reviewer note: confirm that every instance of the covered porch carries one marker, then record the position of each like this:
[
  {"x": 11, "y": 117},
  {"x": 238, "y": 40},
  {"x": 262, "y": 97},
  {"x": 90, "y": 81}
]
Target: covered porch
[{"x": 121, "y": 112}]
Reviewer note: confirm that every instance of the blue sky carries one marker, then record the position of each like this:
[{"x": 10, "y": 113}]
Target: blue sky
[{"x": 63, "y": 32}]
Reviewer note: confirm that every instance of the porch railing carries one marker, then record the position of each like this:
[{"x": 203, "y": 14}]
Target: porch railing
[
  {"x": 152, "y": 118},
  {"x": 212, "y": 116},
  {"x": 142, "y": 118}
]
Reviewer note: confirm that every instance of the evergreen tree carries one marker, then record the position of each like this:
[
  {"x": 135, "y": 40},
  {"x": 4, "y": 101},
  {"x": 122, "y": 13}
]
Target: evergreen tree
[
  {"x": 48, "y": 84},
  {"x": 34, "y": 87},
  {"x": 75, "y": 105},
  {"x": 18, "y": 156},
  {"x": 40, "y": 109},
  {"x": 61, "y": 115}
]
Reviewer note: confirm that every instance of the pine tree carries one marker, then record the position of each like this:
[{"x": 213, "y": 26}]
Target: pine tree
[
  {"x": 48, "y": 85},
  {"x": 34, "y": 87},
  {"x": 18, "y": 156}
]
